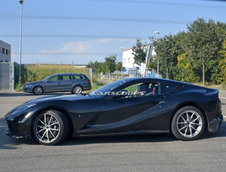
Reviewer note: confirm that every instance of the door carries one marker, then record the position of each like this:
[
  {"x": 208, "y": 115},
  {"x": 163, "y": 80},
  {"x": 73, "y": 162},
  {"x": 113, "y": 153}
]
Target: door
[
  {"x": 51, "y": 84},
  {"x": 124, "y": 113},
  {"x": 65, "y": 83}
]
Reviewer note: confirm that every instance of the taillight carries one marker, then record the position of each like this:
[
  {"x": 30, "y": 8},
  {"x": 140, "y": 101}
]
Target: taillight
[{"x": 88, "y": 81}]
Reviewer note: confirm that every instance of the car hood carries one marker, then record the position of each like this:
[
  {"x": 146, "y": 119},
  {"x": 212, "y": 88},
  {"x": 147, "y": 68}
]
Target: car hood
[
  {"x": 59, "y": 97},
  {"x": 35, "y": 82}
]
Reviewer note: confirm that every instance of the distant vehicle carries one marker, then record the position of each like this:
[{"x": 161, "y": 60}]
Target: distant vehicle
[
  {"x": 127, "y": 106},
  {"x": 73, "y": 82}
]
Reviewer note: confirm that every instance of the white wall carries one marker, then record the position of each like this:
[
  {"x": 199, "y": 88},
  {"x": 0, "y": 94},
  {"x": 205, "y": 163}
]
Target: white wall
[
  {"x": 5, "y": 52},
  {"x": 128, "y": 61}
]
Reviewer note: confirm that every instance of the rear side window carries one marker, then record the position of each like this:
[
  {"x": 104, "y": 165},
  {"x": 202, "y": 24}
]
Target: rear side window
[
  {"x": 168, "y": 87},
  {"x": 77, "y": 77},
  {"x": 66, "y": 77}
]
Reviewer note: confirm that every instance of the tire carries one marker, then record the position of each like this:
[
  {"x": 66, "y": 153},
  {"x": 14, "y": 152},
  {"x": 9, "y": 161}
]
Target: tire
[
  {"x": 188, "y": 123},
  {"x": 37, "y": 90},
  {"x": 77, "y": 90},
  {"x": 50, "y": 127}
]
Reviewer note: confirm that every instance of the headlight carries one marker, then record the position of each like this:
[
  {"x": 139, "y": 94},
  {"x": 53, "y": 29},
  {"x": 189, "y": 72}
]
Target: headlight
[{"x": 28, "y": 86}]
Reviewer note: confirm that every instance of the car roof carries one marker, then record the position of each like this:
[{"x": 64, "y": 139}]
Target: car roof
[{"x": 157, "y": 80}]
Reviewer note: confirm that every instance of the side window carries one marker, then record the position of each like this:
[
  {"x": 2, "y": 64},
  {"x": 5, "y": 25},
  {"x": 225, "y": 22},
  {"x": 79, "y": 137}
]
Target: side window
[
  {"x": 54, "y": 78},
  {"x": 77, "y": 77},
  {"x": 142, "y": 89},
  {"x": 168, "y": 87},
  {"x": 66, "y": 77}
]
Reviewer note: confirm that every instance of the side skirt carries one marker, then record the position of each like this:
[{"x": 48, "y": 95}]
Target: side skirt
[{"x": 77, "y": 134}]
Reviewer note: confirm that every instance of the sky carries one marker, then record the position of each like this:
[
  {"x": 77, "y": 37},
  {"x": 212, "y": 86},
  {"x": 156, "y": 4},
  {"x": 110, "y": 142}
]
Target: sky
[{"x": 80, "y": 31}]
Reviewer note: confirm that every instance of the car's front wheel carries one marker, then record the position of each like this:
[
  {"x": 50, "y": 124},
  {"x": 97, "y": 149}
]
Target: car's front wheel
[
  {"x": 188, "y": 123},
  {"x": 50, "y": 127},
  {"x": 37, "y": 90}
]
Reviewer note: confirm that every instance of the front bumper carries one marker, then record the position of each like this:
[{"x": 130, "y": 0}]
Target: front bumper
[
  {"x": 18, "y": 130},
  {"x": 28, "y": 89},
  {"x": 215, "y": 124}
]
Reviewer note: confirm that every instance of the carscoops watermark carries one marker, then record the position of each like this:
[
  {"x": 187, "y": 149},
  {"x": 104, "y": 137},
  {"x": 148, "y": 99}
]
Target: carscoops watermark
[{"x": 121, "y": 93}]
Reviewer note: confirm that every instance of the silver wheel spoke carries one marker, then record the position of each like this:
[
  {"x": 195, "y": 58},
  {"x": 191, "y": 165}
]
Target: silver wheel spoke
[
  {"x": 181, "y": 122},
  {"x": 183, "y": 118},
  {"x": 187, "y": 116},
  {"x": 52, "y": 134},
  {"x": 43, "y": 135},
  {"x": 190, "y": 130},
  {"x": 45, "y": 118},
  {"x": 195, "y": 124},
  {"x": 183, "y": 128},
  {"x": 194, "y": 128},
  {"x": 41, "y": 121},
  {"x": 192, "y": 115},
  {"x": 50, "y": 120},
  {"x": 54, "y": 129},
  {"x": 47, "y": 135},
  {"x": 195, "y": 119},
  {"x": 186, "y": 130},
  {"x": 41, "y": 130},
  {"x": 39, "y": 126},
  {"x": 55, "y": 123}
]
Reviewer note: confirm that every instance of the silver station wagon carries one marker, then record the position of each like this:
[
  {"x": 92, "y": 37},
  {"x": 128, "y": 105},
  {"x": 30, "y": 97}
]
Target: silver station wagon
[{"x": 64, "y": 82}]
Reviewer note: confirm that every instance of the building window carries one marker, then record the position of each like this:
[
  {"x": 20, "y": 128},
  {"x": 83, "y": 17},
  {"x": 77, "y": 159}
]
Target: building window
[
  {"x": 3, "y": 51},
  {"x": 125, "y": 60},
  {"x": 6, "y": 51}
]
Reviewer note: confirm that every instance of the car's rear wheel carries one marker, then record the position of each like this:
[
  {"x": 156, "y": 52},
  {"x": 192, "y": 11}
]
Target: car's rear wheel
[
  {"x": 37, "y": 90},
  {"x": 77, "y": 90},
  {"x": 188, "y": 123},
  {"x": 50, "y": 127}
]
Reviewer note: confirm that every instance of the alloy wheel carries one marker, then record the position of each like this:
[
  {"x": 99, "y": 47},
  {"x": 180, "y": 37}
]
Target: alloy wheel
[
  {"x": 189, "y": 123},
  {"x": 77, "y": 90},
  {"x": 47, "y": 128},
  {"x": 38, "y": 90}
]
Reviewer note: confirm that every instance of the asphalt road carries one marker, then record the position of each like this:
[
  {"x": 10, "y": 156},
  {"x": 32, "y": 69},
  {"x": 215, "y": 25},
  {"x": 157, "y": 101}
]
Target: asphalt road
[{"x": 118, "y": 153}]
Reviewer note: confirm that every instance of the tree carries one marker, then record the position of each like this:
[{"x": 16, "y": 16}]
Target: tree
[
  {"x": 167, "y": 52},
  {"x": 222, "y": 63},
  {"x": 110, "y": 63},
  {"x": 139, "y": 53},
  {"x": 119, "y": 66},
  {"x": 203, "y": 45}
]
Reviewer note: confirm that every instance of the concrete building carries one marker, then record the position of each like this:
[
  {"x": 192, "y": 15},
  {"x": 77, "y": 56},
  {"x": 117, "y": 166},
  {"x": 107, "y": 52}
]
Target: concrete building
[
  {"x": 5, "y": 52},
  {"x": 129, "y": 65}
]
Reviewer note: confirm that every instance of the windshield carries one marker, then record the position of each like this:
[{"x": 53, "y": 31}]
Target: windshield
[
  {"x": 108, "y": 88},
  {"x": 47, "y": 78}
]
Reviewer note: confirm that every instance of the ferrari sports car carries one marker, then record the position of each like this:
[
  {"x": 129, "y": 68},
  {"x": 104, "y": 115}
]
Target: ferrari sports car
[{"x": 127, "y": 106}]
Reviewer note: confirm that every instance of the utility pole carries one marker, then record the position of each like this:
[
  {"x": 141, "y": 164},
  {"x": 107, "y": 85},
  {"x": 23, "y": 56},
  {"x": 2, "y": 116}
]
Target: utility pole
[
  {"x": 21, "y": 36},
  {"x": 157, "y": 33}
]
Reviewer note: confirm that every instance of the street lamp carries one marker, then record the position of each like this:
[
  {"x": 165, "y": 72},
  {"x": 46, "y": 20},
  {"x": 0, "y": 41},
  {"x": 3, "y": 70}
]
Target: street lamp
[
  {"x": 157, "y": 33},
  {"x": 21, "y": 34}
]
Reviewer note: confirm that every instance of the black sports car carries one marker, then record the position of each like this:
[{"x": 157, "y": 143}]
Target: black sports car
[{"x": 127, "y": 106}]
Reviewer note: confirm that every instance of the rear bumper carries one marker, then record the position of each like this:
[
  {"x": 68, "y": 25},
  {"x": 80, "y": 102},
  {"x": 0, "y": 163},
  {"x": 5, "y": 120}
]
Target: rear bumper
[
  {"x": 87, "y": 87},
  {"x": 214, "y": 125}
]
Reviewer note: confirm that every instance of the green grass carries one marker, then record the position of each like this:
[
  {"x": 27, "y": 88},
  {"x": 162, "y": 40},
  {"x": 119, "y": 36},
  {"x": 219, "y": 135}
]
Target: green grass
[{"x": 39, "y": 72}]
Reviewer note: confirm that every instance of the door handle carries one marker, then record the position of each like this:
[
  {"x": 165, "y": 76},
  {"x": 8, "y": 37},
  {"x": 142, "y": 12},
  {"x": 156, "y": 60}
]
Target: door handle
[{"x": 161, "y": 102}]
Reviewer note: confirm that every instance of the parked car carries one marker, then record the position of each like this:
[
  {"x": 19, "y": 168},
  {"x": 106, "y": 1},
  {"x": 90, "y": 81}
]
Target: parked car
[
  {"x": 73, "y": 82},
  {"x": 127, "y": 106}
]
